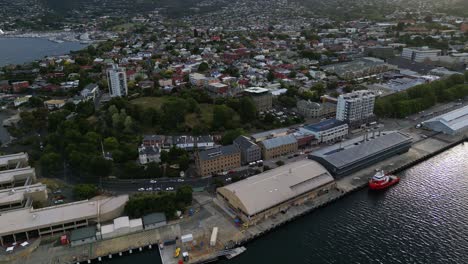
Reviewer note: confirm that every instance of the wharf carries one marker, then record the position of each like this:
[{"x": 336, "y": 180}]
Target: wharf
[{"x": 210, "y": 213}]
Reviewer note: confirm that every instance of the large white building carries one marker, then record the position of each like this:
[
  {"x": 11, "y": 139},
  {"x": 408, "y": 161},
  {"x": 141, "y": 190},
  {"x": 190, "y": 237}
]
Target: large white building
[
  {"x": 355, "y": 107},
  {"x": 117, "y": 81},
  {"x": 420, "y": 54},
  {"x": 450, "y": 123}
]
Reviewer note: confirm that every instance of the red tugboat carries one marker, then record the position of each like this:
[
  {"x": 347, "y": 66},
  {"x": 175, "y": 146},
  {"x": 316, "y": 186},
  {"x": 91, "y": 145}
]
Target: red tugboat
[{"x": 382, "y": 181}]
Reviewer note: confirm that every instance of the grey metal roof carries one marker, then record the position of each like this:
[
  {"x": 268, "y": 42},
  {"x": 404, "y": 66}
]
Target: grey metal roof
[
  {"x": 449, "y": 123},
  {"x": 154, "y": 218},
  {"x": 216, "y": 152},
  {"x": 341, "y": 155},
  {"x": 279, "y": 141},
  {"x": 83, "y": 233},
  {"x": 243, "y": 142}
]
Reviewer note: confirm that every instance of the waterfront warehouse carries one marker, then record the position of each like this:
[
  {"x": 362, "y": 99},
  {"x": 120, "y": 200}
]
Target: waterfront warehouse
[
  {"x": 352, "y": 155},
  {"x": 274, "y": 191},
  {"x": 450, "y": 123}
]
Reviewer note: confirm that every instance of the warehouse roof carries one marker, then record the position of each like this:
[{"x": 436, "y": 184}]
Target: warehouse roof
[
  {"x": 450, "y": 122},
  {"x": 325, "y": 125},
  {"x": 268, "y": 189},
  {"x": 348, "y": 152},
  {"x": 279, "y": 141},
  {"x": 31, "y": 219}
]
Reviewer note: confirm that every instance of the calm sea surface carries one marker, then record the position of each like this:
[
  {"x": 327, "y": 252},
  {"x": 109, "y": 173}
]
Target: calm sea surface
[
  {"x": 22, "y": 50},
  {"x": 424, "y": 219}
]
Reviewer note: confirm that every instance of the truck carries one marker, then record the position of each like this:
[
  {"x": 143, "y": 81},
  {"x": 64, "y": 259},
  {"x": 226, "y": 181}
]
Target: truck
[
  {"x": 186, "y": 238},
  {"x": 214, "y": 236}
]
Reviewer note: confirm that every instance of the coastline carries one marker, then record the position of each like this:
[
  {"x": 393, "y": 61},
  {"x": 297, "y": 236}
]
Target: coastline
[{"x": 230, "y": 236}]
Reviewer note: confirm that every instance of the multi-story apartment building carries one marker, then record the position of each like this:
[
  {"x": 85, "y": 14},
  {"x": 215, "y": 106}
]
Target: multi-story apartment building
[
  {"x": 262, "y": 98},
  {"x": 217, "y": 160},
  {"x": 117, "y": 81},
  {"x": 356, "y": 107},
  {"x": 420, "y": 54},
  {"x": 328, "y": 130},
  {"x": 278, "y": 146},
  {"x": 250, "y": 151}
]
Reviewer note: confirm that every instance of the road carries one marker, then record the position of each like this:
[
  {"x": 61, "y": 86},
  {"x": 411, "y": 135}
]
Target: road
[{"x": 130, "y": 186}]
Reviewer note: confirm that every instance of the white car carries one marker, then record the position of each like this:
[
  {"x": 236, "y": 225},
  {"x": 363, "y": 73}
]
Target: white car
[
  {"x": 169, "y": 189},
  {"x": 153, "y": 181},
  {"x": 228, "y": 179},
  {"x": 180, "y": 180},
  {"x": 149, "y": 188},
  {"x": 141, "y": 189}
]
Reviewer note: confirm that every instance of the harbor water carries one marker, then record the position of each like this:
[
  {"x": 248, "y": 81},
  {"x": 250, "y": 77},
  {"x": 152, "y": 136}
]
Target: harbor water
[
  {"x": 24, "y": 50},
  {"x": 420, "y": 220}
]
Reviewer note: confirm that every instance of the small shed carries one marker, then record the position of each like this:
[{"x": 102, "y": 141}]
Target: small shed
[
  {"x": 154, "y": 220},
  {"x": 83, "y": 236}
]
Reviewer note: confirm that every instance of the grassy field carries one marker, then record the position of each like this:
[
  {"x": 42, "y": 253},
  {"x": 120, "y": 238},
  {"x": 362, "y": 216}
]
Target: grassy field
[{"x": 150, "y": 102}]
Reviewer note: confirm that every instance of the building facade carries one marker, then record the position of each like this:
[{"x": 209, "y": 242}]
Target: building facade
[
  {"x": 261, "y": 97},
  {"x": 356, "y": 107},
  {"x": 316, "y": 110},
  {"x": 117, "y": 81},
  {"x": 217, "y": 160},
  {"x": 250, "y": 151},
  {"x": 328, "y": 130},
  {"x": 420, "y": 54},
  {"x": 279, "y": 146}
]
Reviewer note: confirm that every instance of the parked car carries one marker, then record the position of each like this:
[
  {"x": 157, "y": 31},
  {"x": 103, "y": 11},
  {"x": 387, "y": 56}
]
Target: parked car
[
  {"x": 180, "y": 180},
  {"x": 141, "y": 189},
  {"x": 169, "y": 188},
  {"x": 153, "y": 181},
  {"x": 228, "y": 179},
  {"x": 58, "y": 202}
]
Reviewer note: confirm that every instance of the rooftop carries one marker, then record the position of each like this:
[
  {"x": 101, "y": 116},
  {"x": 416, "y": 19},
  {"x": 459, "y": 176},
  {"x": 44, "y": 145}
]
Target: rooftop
[
  {"x": 269, "y": 133},
  {"x": 256, "y": 90},
  {"x": 325, "y": 125},
  {"x": 454, "y": 120},
  {"x": 214, "y": 153},
  {"x": 5, "y": 160},
  {"x": 83, "y": 233},
  {"x": 154, "y": 218},
  {"x": 279, "y": 141},
  {"x": 350, "y": 151},
  {"x": 8, "y": 176},
  {"x": 273, "y": 187},
  {"x": 29, "y": 219},
  {"x": 17, "y": 194}
]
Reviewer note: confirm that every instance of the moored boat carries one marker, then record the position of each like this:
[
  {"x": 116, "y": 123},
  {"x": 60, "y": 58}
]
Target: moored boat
[{"x": 382, "y": 181}]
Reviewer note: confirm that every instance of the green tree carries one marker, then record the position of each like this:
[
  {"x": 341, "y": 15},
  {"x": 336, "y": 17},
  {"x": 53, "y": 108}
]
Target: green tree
[
  {"x": 184, "y": 194},
  {"x": 84, "y": 191},
  {"x": 230, "y": 135},
  {"x": 203, "y": 67},
  {"x": 51, "y": 163}
]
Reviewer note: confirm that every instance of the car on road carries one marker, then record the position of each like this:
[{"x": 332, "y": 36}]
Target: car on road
[
  {"x": 153, "y": 181},
  {"x": 228, "y": 179},
  {"x": 149, "y": 188},
  {"x": 169, "y": 188},
  {"x": 58, "y": 202},
  {"x": 180, "y": 180},
  {"x": 141, "y": 189},
  {"x": 157, "y": 189},
  {"x": 231, "y": 172}
]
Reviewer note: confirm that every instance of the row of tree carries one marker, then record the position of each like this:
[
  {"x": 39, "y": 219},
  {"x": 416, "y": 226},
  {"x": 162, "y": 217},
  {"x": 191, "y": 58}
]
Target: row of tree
[
  {"x": 145, "y": 203},
  {"x": 422, "y": 97}
]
